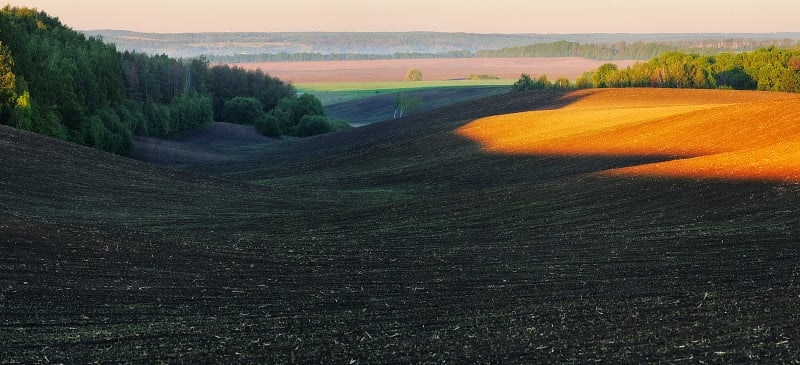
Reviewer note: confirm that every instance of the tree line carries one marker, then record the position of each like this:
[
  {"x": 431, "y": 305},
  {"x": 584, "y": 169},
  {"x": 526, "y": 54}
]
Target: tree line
[
  {"x": 766, "y": 69},
  {"x": 596, "y": 51},
  {"x": 55, "y": 81}
]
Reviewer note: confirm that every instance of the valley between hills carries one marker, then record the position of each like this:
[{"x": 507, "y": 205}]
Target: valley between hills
[{"x": 645, "y": 225}]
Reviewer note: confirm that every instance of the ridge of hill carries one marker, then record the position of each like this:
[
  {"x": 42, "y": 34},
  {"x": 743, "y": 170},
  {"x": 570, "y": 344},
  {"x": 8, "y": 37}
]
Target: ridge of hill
[{"x": 395, "y": 242}]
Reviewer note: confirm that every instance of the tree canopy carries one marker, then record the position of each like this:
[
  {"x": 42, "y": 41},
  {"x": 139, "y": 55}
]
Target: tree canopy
[
  {"x": 57, "y": 82},
  {"x": 768, "y": 69},
  {"x": 414, "y": 75},
  {"x": 525, "y": 82}
]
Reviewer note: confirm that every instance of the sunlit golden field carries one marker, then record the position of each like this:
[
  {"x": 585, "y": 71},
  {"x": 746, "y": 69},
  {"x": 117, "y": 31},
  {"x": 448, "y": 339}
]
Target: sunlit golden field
[{"x": 702, "y": 133}]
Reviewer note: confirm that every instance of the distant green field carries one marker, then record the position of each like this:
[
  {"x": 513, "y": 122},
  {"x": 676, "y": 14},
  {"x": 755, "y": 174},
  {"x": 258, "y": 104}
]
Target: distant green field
[{"x": 339, "y": 92}]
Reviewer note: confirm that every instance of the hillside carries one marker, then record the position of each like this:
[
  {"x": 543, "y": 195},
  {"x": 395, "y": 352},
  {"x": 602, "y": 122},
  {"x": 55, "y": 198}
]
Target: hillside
[
  {"x": 216, "y": 142},
  {"x": 59, "y": 83},
  {"x": 719, "y": 134},
  {"x": 397, "y": 242}
]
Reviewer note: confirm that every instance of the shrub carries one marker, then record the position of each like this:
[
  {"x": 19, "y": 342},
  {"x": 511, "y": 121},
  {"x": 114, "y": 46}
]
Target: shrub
[
  {"x": 526, "y": 83},
  {"x": 242, "y": 110},
  {"x": 311, "y": 125},
  {"x": 414, "y": 75},
  {"x": 562, "y": 83},
  {"x": 268, "y": 125},
  {"x": 291, "y": 110},
  {"x": 482, "y": 77},
  {"x": 340, "y": 125}
]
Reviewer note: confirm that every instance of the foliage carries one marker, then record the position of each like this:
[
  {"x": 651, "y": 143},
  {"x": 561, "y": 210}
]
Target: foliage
[
  {"x": 55, "y": 81},
  {"x": 311, "y": 125},
  {"x": 404, "y": 105},
  {"x": 482, "y": 77},
  {"x": 7, "y": 78},
  {"x": 268, "y": 125},
  {"x": 340, "y": 125},
  {"x": 414, "y": 75},
  {"x": 768, "y": 69},
  {"x": 290, "y": 112},
  {"x": 735, "y": 78},
  {"x": 189, "y": 111},
  {"x": 562, "y": 83},
  {"x": 525, "y": 82},
  {"x": 242, "y": 110},
  {"x": 603, "y": 76},
  {"x": 225, "y": 83}
]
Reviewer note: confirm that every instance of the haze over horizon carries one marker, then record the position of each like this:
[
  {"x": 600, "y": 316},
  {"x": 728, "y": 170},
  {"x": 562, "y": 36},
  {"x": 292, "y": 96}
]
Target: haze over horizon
[{"x": 471, "y": 16}]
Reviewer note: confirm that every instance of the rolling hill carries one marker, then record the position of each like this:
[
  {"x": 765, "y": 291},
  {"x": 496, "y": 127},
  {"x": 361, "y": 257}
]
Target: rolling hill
[
  {"x": 413, "y": 241},
  {"x": 719, "y": 134}
]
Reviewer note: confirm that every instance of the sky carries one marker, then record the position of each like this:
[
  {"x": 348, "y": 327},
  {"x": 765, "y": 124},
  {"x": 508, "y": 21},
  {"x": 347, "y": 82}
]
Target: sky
[{"x": 472, "y": 16}]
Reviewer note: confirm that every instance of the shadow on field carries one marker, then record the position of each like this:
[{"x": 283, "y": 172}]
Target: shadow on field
[{"x": 420, "y": 152}]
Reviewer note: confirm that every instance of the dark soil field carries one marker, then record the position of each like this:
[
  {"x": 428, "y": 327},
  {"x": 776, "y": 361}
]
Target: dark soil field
[
  {"x": 397, "y": 242},
  {"x": 216, "y": 143}
]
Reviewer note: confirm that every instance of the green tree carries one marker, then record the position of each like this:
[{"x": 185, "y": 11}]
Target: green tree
[
  {"x": 584, "y": 81},
  {"x": 308, "y": 104},
  {"x": 524, "y": 83},
  {"x": 735, "y": 78},
  {"x": 8, "y": 93},
  {"x": 562, "y": 83},
  {"x": 603, "y": 76},
  {"x": 242, "y": 110},
  {"x": 794, "y": 63},
  {"x": 311, "y": 125},
  {"x": 224, "y": 83},
  {"x": 542, "y": 82},
  {"x": 291, "y": 109},
  {"x": 268, "y": 125},
  {"x": 414, "y": 75},
  {"x": 404, "y": 105}
]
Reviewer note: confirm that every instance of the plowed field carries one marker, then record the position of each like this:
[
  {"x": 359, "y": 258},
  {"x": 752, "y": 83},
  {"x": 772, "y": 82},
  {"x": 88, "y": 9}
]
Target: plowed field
[
  {"x": 713, "y": 134},
  {"x": 405, "y": 242}
]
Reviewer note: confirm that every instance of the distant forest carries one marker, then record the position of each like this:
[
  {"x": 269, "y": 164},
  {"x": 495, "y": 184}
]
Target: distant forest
[
  {"x": 594, "y": 51},
  {"x": 57, "y": 82},
  {"x": 263, "y": 47}
]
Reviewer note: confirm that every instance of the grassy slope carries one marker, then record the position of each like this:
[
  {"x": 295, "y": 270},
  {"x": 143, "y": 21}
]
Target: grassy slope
[
  {"x": 361, "y": 103},
  {"x": 380, "y": 107},
  {"x": 397, "y": 241}
]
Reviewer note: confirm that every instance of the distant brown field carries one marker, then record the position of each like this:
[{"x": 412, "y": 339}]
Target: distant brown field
[
  {"x": 739, "y": 135},
  {"x": 432, "y": 69}
]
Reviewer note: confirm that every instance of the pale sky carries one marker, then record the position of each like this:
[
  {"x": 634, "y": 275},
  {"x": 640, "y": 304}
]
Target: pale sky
[{"x": 473, "y": 16}]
